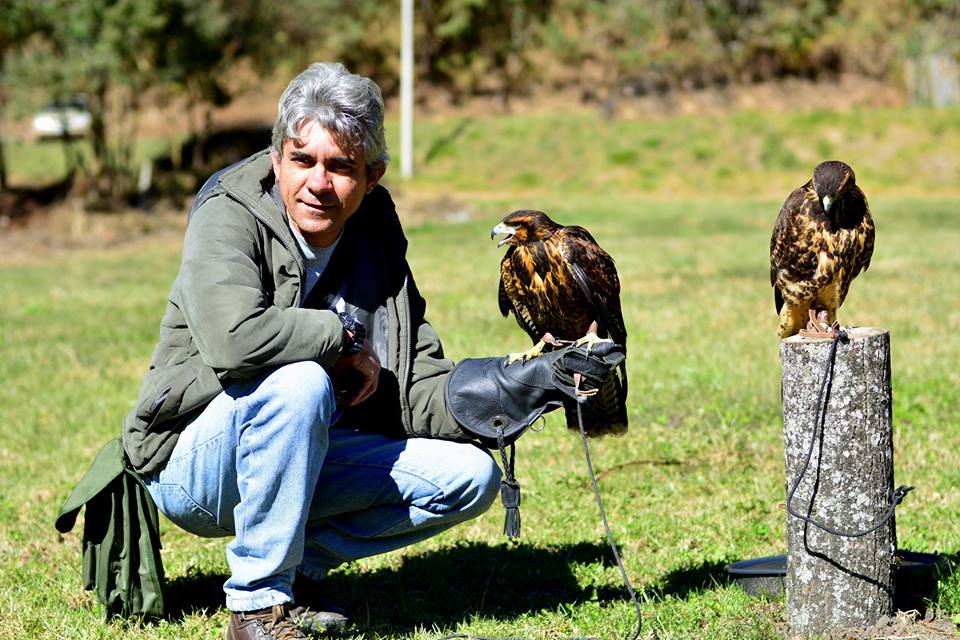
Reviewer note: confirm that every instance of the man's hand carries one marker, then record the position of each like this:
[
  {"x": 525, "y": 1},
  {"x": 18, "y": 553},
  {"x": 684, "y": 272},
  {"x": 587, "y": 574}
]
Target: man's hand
[{"x": 355, "y": 376}]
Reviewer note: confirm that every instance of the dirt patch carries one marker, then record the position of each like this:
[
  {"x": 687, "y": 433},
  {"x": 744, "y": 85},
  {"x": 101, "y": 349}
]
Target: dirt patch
[
  {"x": 69, "y": 227},
  {"x": 415, "y": 207},
  {"x": 256, "y": 104},
  {"x": 842, "y": 93},
  {"x": 905, "y": 625}
]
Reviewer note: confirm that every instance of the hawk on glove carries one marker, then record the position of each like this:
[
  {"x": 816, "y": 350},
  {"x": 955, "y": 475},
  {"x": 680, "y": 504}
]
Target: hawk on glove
[
  {"x": 562, "y": 287},
  {"x": 822, "y": 240}
]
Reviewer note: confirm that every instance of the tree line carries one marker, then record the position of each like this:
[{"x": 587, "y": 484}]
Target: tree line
[{"x": 119, "y": 53}]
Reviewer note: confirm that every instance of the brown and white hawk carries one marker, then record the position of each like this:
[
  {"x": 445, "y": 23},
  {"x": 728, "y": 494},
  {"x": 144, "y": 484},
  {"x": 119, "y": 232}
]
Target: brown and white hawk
[
  {"x": 561, "y": 286},
  {"x": 822, "y": 240}
]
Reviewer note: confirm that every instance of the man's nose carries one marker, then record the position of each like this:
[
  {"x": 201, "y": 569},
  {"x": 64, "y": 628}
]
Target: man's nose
[{"x": 319, "y": 179}]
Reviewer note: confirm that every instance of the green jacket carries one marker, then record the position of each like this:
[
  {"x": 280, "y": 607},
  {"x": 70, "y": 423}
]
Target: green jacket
[{"x": 234, "y": 310}]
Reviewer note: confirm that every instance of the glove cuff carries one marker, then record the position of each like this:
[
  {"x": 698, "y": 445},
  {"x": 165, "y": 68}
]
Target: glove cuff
[{"x": 489, "y": 398}]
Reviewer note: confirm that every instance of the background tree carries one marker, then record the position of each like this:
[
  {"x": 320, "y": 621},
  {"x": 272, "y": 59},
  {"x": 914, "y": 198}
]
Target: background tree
[
  {"x": 17, "y": 22},
  {"x": 193, "y": 56},
  {"x": 119, "y": 53}
]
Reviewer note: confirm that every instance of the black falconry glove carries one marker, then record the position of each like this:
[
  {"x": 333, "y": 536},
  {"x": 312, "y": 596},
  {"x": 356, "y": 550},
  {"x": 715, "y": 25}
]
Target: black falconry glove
[{"x": 496, "y": 402}]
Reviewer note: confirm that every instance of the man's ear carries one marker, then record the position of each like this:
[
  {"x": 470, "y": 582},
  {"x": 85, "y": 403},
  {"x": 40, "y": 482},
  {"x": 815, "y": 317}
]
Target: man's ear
[
  {"x": 374, "y": 174},
  {"x": 275, "y": 159}
]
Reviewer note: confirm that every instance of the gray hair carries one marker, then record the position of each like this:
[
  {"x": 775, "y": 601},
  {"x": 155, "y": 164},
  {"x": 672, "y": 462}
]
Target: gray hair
[{"x": 347, "y": 105}]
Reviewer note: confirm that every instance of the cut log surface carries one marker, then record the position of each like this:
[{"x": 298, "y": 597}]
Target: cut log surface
[{"x": 836, "y": 582}]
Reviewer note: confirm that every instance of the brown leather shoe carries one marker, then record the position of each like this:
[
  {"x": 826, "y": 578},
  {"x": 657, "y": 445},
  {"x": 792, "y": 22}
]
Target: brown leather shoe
[{"x": 273, "y": 623}]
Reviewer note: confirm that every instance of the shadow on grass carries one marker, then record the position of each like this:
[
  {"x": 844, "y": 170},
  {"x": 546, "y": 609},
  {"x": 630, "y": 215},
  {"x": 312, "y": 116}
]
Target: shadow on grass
[
  {"x": 449, "y": 586},
  {"x": 440, "y": 588},
  {"x": 452, "y": 585},
  {"x": 680, "y": 583},
  {"x": 194, "y": 593}
]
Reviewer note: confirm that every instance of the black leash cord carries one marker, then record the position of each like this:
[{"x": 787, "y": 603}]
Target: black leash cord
[
  {"x": 613, "y": 547},
  {"x": 818, "y": 423},
  {"x": 606, "y": 526}
]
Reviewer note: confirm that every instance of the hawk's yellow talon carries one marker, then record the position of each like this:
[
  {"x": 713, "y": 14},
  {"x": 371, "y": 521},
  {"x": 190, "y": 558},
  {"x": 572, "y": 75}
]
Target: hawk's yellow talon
[
  {"x": 591, "y": 340},
  {"x": 529, "y": 354}
]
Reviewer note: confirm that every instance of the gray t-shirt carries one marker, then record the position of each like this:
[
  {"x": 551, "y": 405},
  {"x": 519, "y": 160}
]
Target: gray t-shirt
[
  {"x": 361, "y": 299},
  {"x": 315, "y": 259}
]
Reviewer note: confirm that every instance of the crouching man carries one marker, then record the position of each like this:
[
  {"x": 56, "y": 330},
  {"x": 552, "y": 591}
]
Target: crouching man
[{"x": 296, "y": 400}]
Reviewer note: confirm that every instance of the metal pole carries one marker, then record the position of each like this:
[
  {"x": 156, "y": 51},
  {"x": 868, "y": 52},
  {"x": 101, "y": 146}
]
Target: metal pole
[{"x": 406, "y": 90}]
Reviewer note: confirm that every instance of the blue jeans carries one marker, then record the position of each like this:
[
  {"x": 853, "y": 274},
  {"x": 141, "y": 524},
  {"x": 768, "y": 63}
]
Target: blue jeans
[{"x": 261, "y": 464}]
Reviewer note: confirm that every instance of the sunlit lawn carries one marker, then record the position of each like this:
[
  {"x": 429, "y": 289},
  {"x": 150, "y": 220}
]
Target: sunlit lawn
[{"x": 697, "y": 482}]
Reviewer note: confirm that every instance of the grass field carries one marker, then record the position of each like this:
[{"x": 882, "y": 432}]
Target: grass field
[
  {"x": 907, "y": 151},
  {"x": 696, "y": 483}
]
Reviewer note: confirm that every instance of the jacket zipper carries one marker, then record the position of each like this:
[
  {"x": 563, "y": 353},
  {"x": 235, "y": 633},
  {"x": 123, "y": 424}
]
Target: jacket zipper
[{"x": 408, "y": 360}]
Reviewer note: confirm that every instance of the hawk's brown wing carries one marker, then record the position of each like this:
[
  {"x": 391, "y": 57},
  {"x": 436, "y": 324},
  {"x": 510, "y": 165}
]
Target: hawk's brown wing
[
  {"x": 791, "y": 258},
  {"x": 595, "y": 275}
]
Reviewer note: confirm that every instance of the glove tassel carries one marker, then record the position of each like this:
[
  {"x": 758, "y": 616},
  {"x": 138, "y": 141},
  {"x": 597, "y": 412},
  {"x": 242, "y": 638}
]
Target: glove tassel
[
  {"x": 510, "y": 496},
  {"x": 509, "y": 489}
]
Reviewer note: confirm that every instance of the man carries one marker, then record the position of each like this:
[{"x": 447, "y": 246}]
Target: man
[{"x": 295, "y": 369}]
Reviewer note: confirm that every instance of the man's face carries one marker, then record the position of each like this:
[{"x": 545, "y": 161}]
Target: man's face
[{"x": 321, "y": 184}]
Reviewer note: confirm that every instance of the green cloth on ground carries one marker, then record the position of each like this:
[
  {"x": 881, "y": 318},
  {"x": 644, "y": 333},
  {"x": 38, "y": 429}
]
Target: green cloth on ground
[{"x": 121, "y": 536}]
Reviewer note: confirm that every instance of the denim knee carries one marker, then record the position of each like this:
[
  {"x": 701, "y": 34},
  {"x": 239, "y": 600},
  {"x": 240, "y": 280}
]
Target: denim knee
[
  {"x": 304, "y": 381},
  {"x": 484, "y": 480},
  {"x": 305, "y": 386}
]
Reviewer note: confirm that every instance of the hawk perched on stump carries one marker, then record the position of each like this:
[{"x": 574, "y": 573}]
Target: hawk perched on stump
[
  {"x": 822, "y": 240},
  {"x": 561, "y": 286}
]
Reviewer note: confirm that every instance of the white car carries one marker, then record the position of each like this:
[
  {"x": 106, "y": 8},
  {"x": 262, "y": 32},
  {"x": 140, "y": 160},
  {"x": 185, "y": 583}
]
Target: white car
[{"x": 58, "y": 119}]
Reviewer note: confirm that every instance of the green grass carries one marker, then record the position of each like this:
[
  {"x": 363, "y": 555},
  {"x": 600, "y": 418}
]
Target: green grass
[
  {"x": 696, "y": 483},
  {"x": 910, "y": 151},
  {"x": 905, "y": 151}
]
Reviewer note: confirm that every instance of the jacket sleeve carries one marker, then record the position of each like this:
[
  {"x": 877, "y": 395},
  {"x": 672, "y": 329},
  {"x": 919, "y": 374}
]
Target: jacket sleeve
[
  {"x": 228, "y": 305},
  {"x": 430, "y": 369}
]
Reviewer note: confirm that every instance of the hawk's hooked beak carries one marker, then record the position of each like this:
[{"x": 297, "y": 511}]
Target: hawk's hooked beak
[
  {"x": 503, "y": 228},
  {"x": 827, "y": 203}
]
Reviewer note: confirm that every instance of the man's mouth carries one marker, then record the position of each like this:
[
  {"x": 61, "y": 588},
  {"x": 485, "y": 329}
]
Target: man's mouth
[{"x": 319, "y": 206}]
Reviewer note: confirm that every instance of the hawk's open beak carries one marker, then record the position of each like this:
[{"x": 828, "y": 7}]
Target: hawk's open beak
[
  {"x": 827, "y": 203},
  {"x": 502, "y": 228}
]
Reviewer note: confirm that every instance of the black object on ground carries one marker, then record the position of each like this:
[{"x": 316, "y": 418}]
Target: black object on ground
[{"x": 917, "y": 576}]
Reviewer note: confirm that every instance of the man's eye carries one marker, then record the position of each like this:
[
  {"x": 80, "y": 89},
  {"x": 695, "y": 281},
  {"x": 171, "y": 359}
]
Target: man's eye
[{"x": 301, "y": 160}]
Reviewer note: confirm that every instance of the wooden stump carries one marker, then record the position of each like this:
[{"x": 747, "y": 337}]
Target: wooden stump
[{"x": 835, "y": 582}]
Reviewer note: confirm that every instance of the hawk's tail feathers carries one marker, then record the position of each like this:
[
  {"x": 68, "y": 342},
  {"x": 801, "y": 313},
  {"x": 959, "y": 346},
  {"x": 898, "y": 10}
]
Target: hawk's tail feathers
[{"x": 604, "y": 413}]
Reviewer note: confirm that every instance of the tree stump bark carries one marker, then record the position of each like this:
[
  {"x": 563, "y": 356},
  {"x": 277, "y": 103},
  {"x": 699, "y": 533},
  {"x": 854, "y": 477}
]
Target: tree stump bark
[{"x": 836, "y": 582}]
